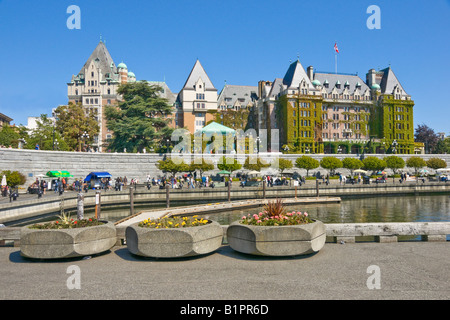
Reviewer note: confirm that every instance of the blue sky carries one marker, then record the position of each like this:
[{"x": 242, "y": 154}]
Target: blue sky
[{"x": 240, "y": 42}]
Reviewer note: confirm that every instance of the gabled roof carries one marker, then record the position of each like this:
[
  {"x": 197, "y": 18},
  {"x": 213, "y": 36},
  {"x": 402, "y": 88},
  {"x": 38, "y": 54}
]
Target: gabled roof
[
  {"x": 389, "y": 81},
  {"x": 196, "y": 73},
  {"x": 103, "y": 60},
  {"x": 296, "y": 74}
]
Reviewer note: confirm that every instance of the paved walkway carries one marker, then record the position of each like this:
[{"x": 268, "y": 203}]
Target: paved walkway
[{"x": 408, "y": 270}]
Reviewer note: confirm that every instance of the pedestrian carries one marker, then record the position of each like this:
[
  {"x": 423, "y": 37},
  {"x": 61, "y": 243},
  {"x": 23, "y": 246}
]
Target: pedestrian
[{"x": 56, "y": 186}]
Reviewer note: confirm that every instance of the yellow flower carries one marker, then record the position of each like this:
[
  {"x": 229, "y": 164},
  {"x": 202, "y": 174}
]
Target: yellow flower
[
  {"x": 183, "y": 223},
  {"x": 194, "y": 216}
]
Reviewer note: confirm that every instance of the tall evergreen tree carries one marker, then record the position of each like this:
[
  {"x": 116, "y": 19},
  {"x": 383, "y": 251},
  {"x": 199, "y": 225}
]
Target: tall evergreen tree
[{"x": 140, "y": 120}]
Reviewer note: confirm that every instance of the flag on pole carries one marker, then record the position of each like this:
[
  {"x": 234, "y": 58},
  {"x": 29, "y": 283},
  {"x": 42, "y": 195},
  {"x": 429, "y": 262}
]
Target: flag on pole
[{"x": 336, "y": 48}]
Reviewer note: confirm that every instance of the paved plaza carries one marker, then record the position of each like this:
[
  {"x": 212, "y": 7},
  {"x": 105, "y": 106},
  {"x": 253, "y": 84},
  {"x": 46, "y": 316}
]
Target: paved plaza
[{"x": 362, "y": 271}]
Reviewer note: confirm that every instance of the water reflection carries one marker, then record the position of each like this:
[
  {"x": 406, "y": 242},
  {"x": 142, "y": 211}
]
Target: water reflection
[{"x": 378, "y": 209}]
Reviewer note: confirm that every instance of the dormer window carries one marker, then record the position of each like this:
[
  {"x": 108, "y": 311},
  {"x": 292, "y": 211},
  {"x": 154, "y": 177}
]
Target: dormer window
[{"x": 347, "y": 85}]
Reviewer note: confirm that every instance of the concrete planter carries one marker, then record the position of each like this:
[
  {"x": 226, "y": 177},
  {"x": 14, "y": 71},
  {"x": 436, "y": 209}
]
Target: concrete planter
[
  {"x": 174, "y": 242},
  {"x": 67, "y": 243},
  {"x": 277, "y": 240}
]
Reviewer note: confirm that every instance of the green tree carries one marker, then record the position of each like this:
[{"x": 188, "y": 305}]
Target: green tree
[
  {"x": 9, "y": 136},
  {"x": 374, "y": 163},
  {"x": 436, "y": 163},
  {"x": 201, "y": 167},
  {"x": 172, "y": 167},
  {"x": 330, "y": 163},
  {"x": 416, "y": 163},
  {"x": 140, "y": 121},
  {"x": 255, "y": 163},
  {"x": 307, "y": 163},
  {"x": 13, "y": 178},
  {"x": 394, "y": 163},
  {"x": 443, "y": 146},
  {"x": 76, "y": 127},
  {"x": 46, "y": 136},
  {"x": 228, "y": 164},
  {"x": 284, "y": 164},
  {"x": 352, "y": 164}
]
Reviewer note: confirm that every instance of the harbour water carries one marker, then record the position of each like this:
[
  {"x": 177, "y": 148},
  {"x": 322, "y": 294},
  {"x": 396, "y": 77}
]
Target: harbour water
[{"x": 355, "y": 210}]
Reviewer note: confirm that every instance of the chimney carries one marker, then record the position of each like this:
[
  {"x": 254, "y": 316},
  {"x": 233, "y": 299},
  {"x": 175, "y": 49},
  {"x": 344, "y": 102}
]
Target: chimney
[
  {"x": 310, "y": 72},
  {"x": 370, "y": 77}
]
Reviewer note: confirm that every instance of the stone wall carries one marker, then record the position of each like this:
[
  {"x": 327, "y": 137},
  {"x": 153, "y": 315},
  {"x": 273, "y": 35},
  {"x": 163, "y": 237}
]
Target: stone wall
[{"x": 34, "y": 162}]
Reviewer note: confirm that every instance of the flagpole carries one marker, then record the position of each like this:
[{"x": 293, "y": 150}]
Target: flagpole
[{"x": 335, "y": 62}]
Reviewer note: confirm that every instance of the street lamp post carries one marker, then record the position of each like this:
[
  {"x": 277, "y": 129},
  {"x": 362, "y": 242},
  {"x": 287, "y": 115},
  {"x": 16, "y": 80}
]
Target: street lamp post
[
  {"x": 84, "y": 137},
  {"x": 394, "y": 146}
]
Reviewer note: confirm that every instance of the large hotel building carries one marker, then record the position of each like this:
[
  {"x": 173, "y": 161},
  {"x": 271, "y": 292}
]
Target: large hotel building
[{"x": 315, "y": 112}]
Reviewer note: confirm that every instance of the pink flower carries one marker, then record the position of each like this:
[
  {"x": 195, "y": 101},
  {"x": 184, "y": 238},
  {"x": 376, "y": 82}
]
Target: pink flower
[
  {"x": 259, "y": 221},
  {"x": 305, "y": 214},
  {"x": 244, "y": 217},
  {"x": 260, "y": 214}
]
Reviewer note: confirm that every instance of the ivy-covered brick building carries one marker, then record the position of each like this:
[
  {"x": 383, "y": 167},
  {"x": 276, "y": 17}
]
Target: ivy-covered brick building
[{"x": 321, "y": 112}]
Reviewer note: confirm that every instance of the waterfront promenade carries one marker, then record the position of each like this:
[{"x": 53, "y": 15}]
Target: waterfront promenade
[{"x": 407, "y": 270}]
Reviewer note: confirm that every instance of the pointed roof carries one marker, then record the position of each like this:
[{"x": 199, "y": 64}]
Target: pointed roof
[
  {"x": 196, "y": 73},
  {"x": 102, "y": 58},
  {"x": 296, "y": 74},
  {"x": 389, "y": 81}
]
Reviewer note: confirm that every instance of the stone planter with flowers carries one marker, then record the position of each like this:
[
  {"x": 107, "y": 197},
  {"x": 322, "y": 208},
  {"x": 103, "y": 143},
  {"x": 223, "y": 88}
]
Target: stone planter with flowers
[
  {"x": 174, "y": 237},
  {"x": 276, "y": 232},
  {"x": 67, "y": 238}
]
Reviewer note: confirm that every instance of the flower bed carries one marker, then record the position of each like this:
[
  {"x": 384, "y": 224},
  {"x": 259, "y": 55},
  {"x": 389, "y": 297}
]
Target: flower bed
[
  {"x": 275, "y": 232},
  {"x": 173, "y": 237},
  {"x": 173, "y": 222},
  {"x": 67, "y": 239},
  {"x": 68, "y": 224}
]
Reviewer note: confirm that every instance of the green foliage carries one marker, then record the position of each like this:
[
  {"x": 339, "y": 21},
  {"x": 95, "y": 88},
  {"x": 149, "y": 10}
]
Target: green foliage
[
  {"x": 436, "y": 163},
  {"x": 46, "y": 136},
  {"x": 284, "y": 164},
  {"x": 331, "y": 163},
  {"x": 255, "y": 163},
  {"x": 394, "y": 163},
  {"x": 73, "y": 123},
  {"x": 201, "y": 166},
  {"x": 443, "y": 146},
  {"x": 228, "y": 164},
  {"x": 416, "y": 163},
  {"x": 140, "y": 121},
  {"x": 9, "y": 136},
  {"x": 172, "y": 167},
  {"x": 307, "y": 163},
  {"x": 352, "y": 164},
  {"x": 374, "y": 163},
  {"x": 13, "y": 178}
]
